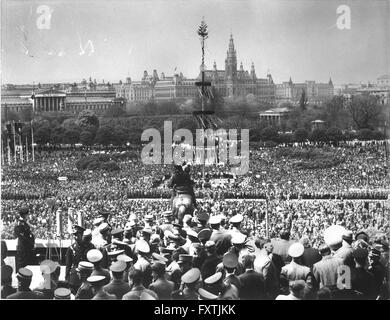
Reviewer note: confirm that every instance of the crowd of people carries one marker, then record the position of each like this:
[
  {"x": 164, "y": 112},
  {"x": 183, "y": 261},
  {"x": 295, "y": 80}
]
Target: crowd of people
[{"x": 210, "y": 257}]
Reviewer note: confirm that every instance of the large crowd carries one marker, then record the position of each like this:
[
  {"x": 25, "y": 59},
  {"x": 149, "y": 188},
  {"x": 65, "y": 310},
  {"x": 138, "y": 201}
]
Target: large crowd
[{"x": 282, "y": 208}]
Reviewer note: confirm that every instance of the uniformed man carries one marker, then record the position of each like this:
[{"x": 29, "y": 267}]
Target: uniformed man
[
  {"x": 206, "y": 295},
  {"x": 143, "y": 261},
  {"x": 202, "y": 219},
  {"x": 24, "y": 277},
  {"x": 160, "y": 285},
  {"x": 188, "y": 289},
  {"x": 167, "y": 223},
  {"x": 25, "y": 249},
  {"x": 6, "y": 281},
  {"x": 211, "y": 261},
  {"x": 235, "y": 224},
  {"x": 97, "y": 282},
  {"x": 75, "y": 253},
  {"x": 117, "y": 285},
  {"x": 129, "y": 263},
  {"x": 95, "y": 256},
  {"x": 221, "y": 238},
  {"x": 84, "y": 271},
  {"x": 295, "y": 270},
  {"x": 345, "y": 252},
  {"x": 230, "y": 263},
  {"x": 137, "y": 288}
]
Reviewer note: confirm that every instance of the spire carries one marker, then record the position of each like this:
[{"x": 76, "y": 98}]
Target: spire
[
  {"x": 290, "y": 81},
  {"x": 241, "y": 67},
  {"x": 330, "y": 82},
  {"x": 231, "y": 43},
  {"x": 215, "y": 66},
  {"x": 253, "y": 72}
]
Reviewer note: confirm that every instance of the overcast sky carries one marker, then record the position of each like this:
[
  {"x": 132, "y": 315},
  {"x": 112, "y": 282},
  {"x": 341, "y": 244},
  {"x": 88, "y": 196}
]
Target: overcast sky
[{"x": 290, "y": 38}]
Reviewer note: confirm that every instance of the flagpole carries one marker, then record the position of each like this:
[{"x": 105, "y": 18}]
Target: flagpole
[
  {"x": 14, "y": 134},
  {"x": 26, "y": 149},
  {"x": 20, "y": 147},
  {"x": 32, "y": 142},
  {"x": 8, "y": 150}
]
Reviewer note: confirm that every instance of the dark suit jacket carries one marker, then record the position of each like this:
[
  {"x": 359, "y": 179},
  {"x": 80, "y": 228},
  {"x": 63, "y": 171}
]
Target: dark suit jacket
[
  {"x": 363, "y": 281},
  {"x": 23, "y": 295},
  {"x": 163, "y": 288},
  {"x": 210, "y": 266},
  {"x": 252, "y": 286},
  {"x": 310, "y": 257},
  {"x": 278, "y": 262},
  {"x": 6, "y": 291},
  {"x": 117, "y": 287}
]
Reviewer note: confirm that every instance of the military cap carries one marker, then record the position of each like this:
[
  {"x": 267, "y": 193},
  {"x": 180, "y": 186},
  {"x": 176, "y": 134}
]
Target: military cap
[
  {"x": 197, "y": 245},
  {"x": 214, "y": 278},
  {"x": 296, "y": 250},
  {"x": 104, "y": 214},
  {"x": 96, "y": 280},
  {"x": 348, "y": 235},
  {"x": 146, "y": 296},
  {"x": 192, "y": 234},
  {"x": 177, "y": 225},
  {"x": 155, "y": 238},
  {"x": 203, "y": 216},
  {"x": 158, "y": 266},
  {"x": 24, "y": 273},
  {"x": 115, "y": 253},
  {"x": 209, "y": 244},
  {"x": 167, "y": 213},
  {"x": 362, "y": 235},
  {"x": 124, "y": 257},
  {"x": 238, "y": 238},
  {"x": 103, "y": 227},
  {"x": 142, "y": 246},
  {"x": 185, "y": 258},
  {"x": 333, "y": 235},
  {"x": 48, "y": 266},
  {"x": 84, "y": 266},
  {"x": 148, "y": 217},
  {"x": 206, "y": 295},
  {"x": 97, "y": 221},
  {"x": 94, "y": 255},
  {"x": 129, "y": 225},
  {"x": 23, "y": 211},
  {"x": 158, "y": 257},
  {"x": 62, "y": 294},
  {"x": 6, "y": 273},
  {"x": 215, "y": 219},
  {"x": 191, "y": 276},
  {"x": 360, "y": 253},
  {"x": 76, "y": 228},
  {"x": 237, "y": 218},
  {"x": 204, "y": 235},
  {"x": 118, "y": 266},
  {"x": 117, "y": 232},
  {"x": 147, "y": 230},
  {"x": 87, "y": 233},
  {"x": 230, "y": 260}
]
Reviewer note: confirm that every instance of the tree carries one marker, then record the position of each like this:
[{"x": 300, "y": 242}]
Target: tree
[
  {"x": 366, "y": 134},
  {"x": 365, "y": 111},
  {"x": 303, "y": 100},
  {"x": 57, "y": 135},
  {"x": 301, "y": 135},
  {"x": 334, "y": 135},
  {"x": 42, "y": 134},
  {"x": 114, "y": 111},
  {"x": 269, "y": 134},
  {"x": 87, "y": 119},
  {"x": 318, "y": 135},
  {"x": 119, "y": 136},
  {"x": 104, "y": 135},
  {"x": 86, "y": 137},
  {"x": 71, "y": 136}
]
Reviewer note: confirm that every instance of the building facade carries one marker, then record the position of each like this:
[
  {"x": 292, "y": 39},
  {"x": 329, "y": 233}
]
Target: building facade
[
  {"x": 315, "y": 92},
  {"x": 230, "y": 82}
]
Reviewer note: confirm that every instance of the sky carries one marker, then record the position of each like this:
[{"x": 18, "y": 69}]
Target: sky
[{"x": 114, "y": 39}]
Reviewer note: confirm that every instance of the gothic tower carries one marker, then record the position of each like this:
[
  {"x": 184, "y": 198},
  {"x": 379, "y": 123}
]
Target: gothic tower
[{"x": 231, "y": 61}]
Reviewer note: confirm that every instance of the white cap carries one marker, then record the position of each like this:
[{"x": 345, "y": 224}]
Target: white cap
[
  {"x": 238, "y": 238},
  {"x": 94, "y": 255},
  {"x": 237, "y": 218},
  {"x": 142, "y": 246},
  {"x": 296, "y": 250},
  {"x": 333, "y": 235},
  {"x": 215, "y": 219}
]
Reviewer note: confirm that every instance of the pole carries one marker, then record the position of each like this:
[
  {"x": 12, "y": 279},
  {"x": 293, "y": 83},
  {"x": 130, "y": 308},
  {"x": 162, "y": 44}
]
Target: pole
[
  {"x": 8, "y": 150},
  {"x": 14, "y": 134},
  {"x": 32, "y": 142},
  {"x": 20, "y": 148},
  {"x": 26, "y": 149},
  {"x": 266, "y": 219}
]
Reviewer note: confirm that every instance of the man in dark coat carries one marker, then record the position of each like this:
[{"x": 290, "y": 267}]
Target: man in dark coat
[
  {"x": 362, "y": 280},
  {"x": 84, "y": 271},
  {"x": 252, "y": 282},
  {"x": 24, "y": 281},
  {"x": 161, "y": 286},
  {"x": 25, "y": 252},
  {"x": 377, "y": 269},
  {"x": 211, "y": 262},
  {"x": 6, "y": 281},
  {"x": 310, "y": 255},
  {"x": 117, "y": 286}
]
